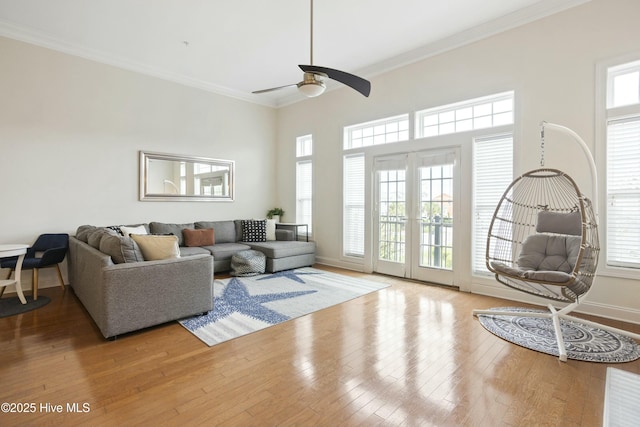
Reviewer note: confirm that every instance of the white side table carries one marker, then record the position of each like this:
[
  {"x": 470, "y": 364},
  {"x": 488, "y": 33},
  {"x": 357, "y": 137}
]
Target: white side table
[{"x": 19, "y": 251}]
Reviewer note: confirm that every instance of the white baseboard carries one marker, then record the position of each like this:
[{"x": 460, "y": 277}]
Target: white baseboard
[
  {"x": 624, "y": 314},
  {"x": 333, "y": 262}
]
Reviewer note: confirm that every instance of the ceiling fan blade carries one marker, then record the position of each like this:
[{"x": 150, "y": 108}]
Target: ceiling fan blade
[
  {"x": 274, "y": 88},
  {"x": 357, "y": 83}
]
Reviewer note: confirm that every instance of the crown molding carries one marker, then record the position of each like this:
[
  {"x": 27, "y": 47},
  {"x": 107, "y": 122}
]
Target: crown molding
[
  {"x": 31, "y": 36},
  {"x": 490, "y": 28},
  {"x": 515, "y": 19}
]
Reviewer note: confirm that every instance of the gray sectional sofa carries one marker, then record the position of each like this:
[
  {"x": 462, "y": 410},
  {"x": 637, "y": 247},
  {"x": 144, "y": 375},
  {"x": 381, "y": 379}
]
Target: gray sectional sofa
[{"x": 124, "y": 292}]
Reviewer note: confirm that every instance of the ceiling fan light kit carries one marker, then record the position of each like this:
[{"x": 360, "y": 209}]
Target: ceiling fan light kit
[{"x": 312, "y": 86}]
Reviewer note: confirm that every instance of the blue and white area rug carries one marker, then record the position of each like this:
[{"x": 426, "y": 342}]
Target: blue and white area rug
[
  {"x": 582, "y": 342},
  {"x": 242, "y": 305}
]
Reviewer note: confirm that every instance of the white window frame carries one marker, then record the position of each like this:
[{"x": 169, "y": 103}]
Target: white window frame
[
  {"x": 346, "y": 204},
  {"x": 304, "y": 187},
  {"x": 469, "y": 115},
  {"x": 304, "y": 146},
  {"x": 606, "y": 113},
  {"x": 483, "y": 214},
  {"x": 377, "y": 132}
]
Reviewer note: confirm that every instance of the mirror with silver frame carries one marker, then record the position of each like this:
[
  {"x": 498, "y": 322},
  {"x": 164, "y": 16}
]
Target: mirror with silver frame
[{"x": 170, "y": 177}]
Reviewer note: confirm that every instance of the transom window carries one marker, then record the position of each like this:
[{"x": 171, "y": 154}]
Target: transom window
[
  {"x": 304, "y": 146},
  {"x": 478, "y": 113},
  {"x": 623, "y": 85},
  {"x": 384, "y": 131}
]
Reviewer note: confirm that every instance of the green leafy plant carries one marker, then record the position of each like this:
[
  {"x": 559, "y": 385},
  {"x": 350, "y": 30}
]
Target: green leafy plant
[{"x": 275, "y": 211}]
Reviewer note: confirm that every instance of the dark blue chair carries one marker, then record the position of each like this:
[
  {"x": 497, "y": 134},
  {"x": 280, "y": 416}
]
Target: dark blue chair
[{"x": 48, "y": 251}]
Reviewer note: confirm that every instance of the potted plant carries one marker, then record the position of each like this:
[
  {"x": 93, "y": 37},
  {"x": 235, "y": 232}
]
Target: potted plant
[{"x": 275, "y": 213}]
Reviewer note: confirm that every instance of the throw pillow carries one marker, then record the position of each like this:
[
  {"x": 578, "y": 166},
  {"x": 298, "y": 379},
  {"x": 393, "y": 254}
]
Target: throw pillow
[
  {"x": 271, "y": 229},
  {"x": 115, "y": 228},
  {"x": 121, "y": 249},
  {"x": 199, "y": 237},
  {"x": 126, "y": 231},
  {"x": 254, "y": 230},
  {"x": 157, "y": 247}
]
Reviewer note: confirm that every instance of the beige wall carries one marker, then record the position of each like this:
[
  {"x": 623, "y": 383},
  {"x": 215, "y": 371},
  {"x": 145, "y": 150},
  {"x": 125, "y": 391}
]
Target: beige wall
[
  {"x": 551, "y": 66},
  {"x": 71, "y": 130}
]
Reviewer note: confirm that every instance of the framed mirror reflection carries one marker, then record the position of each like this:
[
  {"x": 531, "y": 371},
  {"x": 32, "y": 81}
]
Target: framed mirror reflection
[{"x": 171, "y": 177}]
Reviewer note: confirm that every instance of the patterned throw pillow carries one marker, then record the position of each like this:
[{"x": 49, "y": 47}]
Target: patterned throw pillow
[
  {"x": 254, "y": 230},
  {"x": 116, "y": 228}
]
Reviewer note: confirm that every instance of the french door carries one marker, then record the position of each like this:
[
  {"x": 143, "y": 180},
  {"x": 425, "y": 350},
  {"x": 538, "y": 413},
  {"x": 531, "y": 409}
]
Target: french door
[{"x": 414, "y": 216}]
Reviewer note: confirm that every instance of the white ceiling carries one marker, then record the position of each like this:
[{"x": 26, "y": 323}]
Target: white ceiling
[{"x": 234, "y": 47}]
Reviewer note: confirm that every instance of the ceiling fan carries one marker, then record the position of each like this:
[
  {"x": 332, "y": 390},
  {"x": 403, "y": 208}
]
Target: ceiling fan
[{"x": 313, "y": 85}]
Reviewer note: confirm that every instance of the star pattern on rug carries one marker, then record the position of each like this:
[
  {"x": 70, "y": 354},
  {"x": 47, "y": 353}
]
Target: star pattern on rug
[
  {"x": 236, "y": 298},
  {"x": 289, "y": 274}
]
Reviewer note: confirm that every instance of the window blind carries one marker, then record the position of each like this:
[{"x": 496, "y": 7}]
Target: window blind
[
  {"x": 623, "y": 192},
  {"x": 492, "y": 174},
  {"x": 304, "y": 192},
  {"x": 354, "y": 197}
]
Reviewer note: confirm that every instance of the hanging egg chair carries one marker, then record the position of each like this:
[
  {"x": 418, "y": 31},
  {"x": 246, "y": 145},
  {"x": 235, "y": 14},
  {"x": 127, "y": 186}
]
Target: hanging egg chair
[{"x": 543, "y": 240}]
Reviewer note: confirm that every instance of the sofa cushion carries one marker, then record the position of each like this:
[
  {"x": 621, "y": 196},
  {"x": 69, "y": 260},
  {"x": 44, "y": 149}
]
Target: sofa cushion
[
  {"x": 82, "y": 233},
  {"x": 549, "y": 252},
  {"x": 96, "y": 236},
  {"x": 224, "y": 251},
  {"x": 560, "y": 223},
  {"x": 254, "y": 230},
  {"x": 225, "y": 231},
  {"x": 194, "y": 250},
  {"x": 175, "y": 229},
  {"x": 121, "y": 249},
  {"x": 281, "y": 249},
  {"x": 199, "y": 237},
  {"x": 156, "y": 247}
]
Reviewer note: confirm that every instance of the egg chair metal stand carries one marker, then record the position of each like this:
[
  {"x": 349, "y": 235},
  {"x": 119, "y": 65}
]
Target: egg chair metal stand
[{"x": 543, "y": 240}]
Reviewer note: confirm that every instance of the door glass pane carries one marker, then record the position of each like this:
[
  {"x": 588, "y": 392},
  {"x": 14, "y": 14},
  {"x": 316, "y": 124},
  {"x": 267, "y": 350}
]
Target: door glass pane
[
  {"x": 436, "y": 221},
  {"x": 392, "y": 215}
]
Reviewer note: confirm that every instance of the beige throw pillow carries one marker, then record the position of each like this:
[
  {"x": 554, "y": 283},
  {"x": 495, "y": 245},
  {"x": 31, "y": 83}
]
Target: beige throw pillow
[{"x": 157, "y": 247}]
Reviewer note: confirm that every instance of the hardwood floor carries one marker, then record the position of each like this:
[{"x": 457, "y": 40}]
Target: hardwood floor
[{"x": 411, "y": 354}]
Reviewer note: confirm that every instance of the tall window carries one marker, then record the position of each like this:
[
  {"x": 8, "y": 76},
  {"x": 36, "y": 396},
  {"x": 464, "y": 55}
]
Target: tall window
[
  {"x": 304, "y": 180},
  {"x": 353, "y": 226},
  {"x": 492, "y": 174},
  {"x": 623, "y": 163}
]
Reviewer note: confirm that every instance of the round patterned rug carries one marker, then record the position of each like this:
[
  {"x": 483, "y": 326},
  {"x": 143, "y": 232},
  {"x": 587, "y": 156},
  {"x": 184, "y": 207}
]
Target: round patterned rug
[{"x": 582, "y": 342}]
